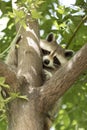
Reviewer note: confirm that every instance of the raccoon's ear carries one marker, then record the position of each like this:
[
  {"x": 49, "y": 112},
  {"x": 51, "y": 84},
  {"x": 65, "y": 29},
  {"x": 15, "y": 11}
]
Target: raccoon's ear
[
  {"x": 50, "y": 37},
  {"x": 69, "y": 53}
]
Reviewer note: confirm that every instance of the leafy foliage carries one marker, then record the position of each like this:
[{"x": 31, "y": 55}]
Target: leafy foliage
[
  {"x": 73, "y": 112},
  {"x": 6, "y": 29},
  {"x": 30, "y": 7},
  {"x": 62, "y": 21}
]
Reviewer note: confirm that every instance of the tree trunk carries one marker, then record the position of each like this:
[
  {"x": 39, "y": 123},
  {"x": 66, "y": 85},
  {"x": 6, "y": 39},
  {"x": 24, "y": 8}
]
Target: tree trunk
[{"x": 23, "y": 114}]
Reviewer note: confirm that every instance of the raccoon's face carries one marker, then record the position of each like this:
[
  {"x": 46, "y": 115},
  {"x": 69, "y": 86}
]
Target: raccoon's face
[
  {"x": 54, "y": 56},
  {"x": 50, "y": 59}
]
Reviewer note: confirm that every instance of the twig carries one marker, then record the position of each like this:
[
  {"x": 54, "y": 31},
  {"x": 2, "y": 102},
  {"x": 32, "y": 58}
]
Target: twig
[
  {"x": 75, "y": 31},
  {"x": 14, "y": 41}
]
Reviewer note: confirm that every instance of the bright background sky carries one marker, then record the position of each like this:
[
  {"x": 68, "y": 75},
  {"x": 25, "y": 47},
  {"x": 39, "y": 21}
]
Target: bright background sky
[
  {"x": 64, "y": 2},
  {"x": 67, "y": 2}
]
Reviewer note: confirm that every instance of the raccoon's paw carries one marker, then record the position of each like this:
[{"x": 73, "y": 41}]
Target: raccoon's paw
[{"x": 47, "y": 75}]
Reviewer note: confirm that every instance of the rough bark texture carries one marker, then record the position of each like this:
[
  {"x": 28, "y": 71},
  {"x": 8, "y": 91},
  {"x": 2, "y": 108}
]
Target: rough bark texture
[
  {"x": 10, "y": 76},
  {"x": 23, "y": 114},
  {"x": 30, "y": 114}
]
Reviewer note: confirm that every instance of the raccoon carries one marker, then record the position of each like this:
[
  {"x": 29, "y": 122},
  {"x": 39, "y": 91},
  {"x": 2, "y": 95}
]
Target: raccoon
[{"x": 54, "y": 57}]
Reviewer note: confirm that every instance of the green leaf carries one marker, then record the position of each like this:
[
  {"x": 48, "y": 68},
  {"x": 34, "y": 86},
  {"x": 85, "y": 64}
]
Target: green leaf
[
  {"x": 38, "y": 3},
  {"x": 23, "y": 97},
  {"x": 2, "y": 83},
  {"x": 61, "y": 10},
  {"x": 35, "y": 14},
  {"x": 11, "y": 14},
  {"x": 2, "y": 80},
  {"x": 41, "y": 2},
  {"x": 18, "y": 95}
]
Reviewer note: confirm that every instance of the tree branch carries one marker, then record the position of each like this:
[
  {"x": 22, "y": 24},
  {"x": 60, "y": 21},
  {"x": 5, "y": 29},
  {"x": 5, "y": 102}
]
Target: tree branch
[
  {"x": 76, "y": 30},
  {"x": 53, "y": 89},
  {"x": 10, "y": 76},
  {"x": 29, "y": 52}
]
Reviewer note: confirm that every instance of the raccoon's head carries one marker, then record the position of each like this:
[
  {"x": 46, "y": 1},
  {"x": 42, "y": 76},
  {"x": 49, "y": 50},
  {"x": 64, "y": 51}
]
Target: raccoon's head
[{"x": 54, "y": 56}]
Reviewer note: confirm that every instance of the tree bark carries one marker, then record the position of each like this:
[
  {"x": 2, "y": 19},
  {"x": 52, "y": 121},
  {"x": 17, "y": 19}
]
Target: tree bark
[
  {"x": 29, "y": 53},
  {"x": 23, "y": 114},
  {"x": 10, "y": 76}
]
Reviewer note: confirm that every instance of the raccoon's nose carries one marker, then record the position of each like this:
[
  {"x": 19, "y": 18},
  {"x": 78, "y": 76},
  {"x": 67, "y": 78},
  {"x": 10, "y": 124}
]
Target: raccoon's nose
[{"x": 46, "y": 62}]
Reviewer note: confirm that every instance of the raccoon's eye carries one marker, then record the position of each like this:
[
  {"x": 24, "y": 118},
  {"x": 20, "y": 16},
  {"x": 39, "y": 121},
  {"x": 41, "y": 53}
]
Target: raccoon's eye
[
  {"x": 45, "y": 52},
  {"x": 56, "y": 61}
]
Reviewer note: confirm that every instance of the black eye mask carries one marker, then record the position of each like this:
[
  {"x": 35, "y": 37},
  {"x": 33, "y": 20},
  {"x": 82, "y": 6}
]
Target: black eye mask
[
  {"x": 45, "y": 52},
  {"x": 56, "y": 61}
]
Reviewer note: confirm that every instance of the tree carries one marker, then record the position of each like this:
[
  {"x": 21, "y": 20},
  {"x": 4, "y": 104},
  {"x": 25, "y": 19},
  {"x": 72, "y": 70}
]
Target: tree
[{"x": 33, "y": 100}]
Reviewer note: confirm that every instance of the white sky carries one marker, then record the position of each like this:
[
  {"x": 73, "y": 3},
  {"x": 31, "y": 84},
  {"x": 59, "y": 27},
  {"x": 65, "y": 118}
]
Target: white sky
[
  {"x": 67, "y": 2},
  {"x": 64, "y": 2}
]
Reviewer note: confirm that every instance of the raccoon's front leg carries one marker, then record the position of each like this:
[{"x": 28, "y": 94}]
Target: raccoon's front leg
[{"x": 47, "y": 75}]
